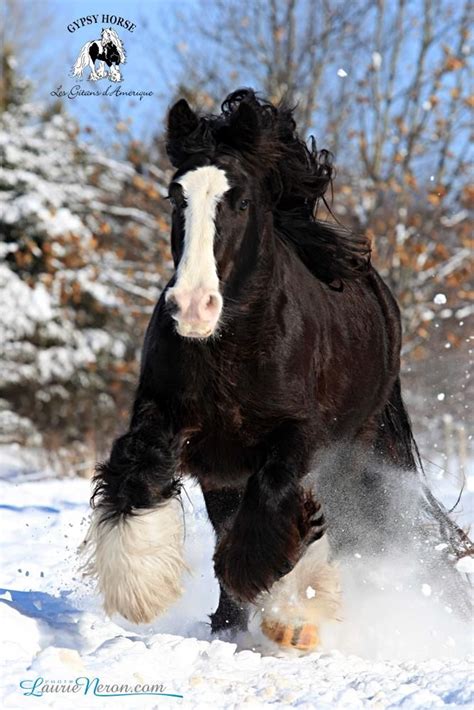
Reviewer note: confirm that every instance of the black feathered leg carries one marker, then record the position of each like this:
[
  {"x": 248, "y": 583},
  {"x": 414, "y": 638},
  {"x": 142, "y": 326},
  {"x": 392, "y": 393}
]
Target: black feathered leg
[
  {"x": 271, "y": 529},
  {"x": 222, "y": 506},
  {"x": 141, "y": 470}
]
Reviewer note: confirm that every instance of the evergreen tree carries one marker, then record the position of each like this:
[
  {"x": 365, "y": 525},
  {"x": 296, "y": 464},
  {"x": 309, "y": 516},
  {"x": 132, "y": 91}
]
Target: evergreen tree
[{"x": 83, "y": 257}]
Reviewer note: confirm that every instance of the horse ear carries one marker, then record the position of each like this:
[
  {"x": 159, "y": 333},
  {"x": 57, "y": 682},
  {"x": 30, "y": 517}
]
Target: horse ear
[
  {"x": 181, "y": 120},
  {"x": 244, "y": 125}
]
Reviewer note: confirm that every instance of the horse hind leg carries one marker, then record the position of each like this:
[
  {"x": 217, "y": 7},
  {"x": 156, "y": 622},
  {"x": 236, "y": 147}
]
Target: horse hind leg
[{"x": 293, "y": 611}]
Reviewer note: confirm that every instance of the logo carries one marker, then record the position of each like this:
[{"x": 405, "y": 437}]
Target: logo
[
  {"x": 108, "y": 52},
  {"x": 101, "y": 60}
]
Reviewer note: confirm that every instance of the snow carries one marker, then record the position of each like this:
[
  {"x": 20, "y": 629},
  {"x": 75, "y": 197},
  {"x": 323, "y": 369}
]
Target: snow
[
  {"x": 21, "y": 307},
  {"x": 466, "y": 565},
  {"x": 22, "y": 310},
  {"x": 52, "y": 626},
  {"x": 376, "y": 60}
]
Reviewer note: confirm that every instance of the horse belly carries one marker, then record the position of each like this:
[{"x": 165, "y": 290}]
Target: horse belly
[{"x": 358, "y": 364}]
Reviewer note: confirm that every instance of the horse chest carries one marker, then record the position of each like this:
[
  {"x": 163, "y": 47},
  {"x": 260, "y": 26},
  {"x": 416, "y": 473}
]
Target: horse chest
[
  {"x": 223, "y": 436},
  {"x": 221, "y": 416},
  {"x": 221, "y": 457}
]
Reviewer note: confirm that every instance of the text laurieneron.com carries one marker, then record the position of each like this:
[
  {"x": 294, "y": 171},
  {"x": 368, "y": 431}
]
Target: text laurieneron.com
[{"x": 37, "y": 687}]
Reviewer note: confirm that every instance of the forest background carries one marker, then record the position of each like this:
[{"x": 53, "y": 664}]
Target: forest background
[{"x": 84, "y": 245}]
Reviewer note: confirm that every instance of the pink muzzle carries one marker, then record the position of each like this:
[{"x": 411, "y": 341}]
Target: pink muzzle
[{"x": 196, "y": 312}]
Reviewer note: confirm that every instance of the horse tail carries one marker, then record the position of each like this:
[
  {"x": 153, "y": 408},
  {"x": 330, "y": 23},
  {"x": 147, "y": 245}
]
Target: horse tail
[
  {"x": 396, "y": 445},
  {"x": 82, "y": 60},
  {"x": 395, "y": 441}
]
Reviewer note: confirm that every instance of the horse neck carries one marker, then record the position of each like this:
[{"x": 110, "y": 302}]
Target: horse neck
[{"x": 254, "y": 298}]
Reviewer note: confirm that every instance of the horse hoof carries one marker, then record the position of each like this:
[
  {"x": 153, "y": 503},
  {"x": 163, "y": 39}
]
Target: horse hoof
[{"x": 302, "y": 638}]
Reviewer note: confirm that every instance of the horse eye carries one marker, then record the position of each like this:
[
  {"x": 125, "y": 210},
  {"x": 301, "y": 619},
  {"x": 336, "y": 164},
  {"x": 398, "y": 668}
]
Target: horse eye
[
  {"x": 243, "y": 205},
  {"x": 177, "y": 203}
]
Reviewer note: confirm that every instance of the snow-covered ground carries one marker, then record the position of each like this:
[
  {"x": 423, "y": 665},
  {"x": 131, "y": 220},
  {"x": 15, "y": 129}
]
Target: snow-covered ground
[{"x": 412, "y": 653}]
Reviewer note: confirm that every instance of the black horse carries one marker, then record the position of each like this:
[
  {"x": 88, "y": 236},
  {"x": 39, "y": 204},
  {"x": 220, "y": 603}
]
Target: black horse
[{"x": 273, "y": 350}]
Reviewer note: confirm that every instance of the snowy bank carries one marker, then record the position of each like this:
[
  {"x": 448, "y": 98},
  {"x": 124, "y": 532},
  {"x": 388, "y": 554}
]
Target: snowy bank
[{"x": 52, "y": 627}]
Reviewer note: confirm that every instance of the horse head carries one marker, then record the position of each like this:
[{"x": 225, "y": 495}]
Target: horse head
[
  {"x": 112, "y": 44},
  {"x": 217, "y": 201},
  {"x": 234, "y": 174}
]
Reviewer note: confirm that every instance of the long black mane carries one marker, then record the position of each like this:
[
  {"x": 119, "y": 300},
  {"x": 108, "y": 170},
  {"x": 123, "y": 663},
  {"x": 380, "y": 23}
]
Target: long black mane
[{"x": 297, "y": 177}]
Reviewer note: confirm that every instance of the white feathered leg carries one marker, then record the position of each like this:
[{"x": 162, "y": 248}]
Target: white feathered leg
[
  {"x": 137, "y": 560},
  {"x": 292, "y": 612},
  {"x": 115, "y": 74}
]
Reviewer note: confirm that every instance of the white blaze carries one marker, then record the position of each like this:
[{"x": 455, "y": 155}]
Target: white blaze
[{"x": 202, "y": 188}]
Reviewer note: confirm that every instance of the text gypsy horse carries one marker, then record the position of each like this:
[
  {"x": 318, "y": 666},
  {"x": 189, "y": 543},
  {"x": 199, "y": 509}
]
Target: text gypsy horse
[{"x": 274, "y": 341}]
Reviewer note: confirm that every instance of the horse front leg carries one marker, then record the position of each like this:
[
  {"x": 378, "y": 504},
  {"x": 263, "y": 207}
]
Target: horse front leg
[
  {"x": 276, "y": 553},
  {"x": 271, "y": 529},
  {"x": 135, "y": 541},
  {"x": 222, "y": 505},
  {"x": 115, "y": 74}
]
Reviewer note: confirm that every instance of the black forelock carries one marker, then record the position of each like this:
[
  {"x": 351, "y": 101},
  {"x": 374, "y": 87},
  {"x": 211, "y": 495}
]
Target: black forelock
[
  {"x": 266, "y": 141},
  {"x": 193, "y": 162}
]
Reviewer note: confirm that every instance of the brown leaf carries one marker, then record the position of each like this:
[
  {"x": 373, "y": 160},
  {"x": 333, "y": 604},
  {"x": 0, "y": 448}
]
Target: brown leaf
[
  {"x": 436, "y": 194},
  {"x": 453, "y": 63},
  {"x": 410, "y": 180}
]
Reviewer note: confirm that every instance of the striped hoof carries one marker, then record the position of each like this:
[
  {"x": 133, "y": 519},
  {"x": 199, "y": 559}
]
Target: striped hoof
[{"x": 301, "y": 638}]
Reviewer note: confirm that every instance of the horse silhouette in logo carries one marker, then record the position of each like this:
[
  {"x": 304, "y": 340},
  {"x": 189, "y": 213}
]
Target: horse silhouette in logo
[{"x": 108, "y": 50}]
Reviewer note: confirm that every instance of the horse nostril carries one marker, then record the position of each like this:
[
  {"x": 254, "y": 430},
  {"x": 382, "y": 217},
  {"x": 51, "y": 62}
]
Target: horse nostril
[{"x": 212, "y": 304}]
